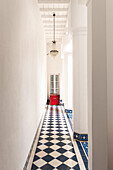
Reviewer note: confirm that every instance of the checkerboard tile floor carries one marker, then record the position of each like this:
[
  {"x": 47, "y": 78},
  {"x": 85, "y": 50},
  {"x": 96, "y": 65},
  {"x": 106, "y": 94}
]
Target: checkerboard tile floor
[{"x": 54, "y": 148}]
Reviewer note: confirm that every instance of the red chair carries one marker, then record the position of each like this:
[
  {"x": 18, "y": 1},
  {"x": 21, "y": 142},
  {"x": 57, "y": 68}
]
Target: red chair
[{"x": 54, "y": 99}]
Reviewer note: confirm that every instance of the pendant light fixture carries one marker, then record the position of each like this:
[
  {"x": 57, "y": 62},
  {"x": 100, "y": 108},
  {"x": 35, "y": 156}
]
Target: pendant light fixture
[{"x": 54, "y": 52}]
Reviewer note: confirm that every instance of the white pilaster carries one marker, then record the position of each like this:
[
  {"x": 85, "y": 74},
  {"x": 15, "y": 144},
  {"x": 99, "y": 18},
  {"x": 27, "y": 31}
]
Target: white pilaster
[
  {"x": 79, "y": 36},
  {"x": 89, "y": 65},
  {"x": 67, "y": 71},
  {"x": 70, "y": 82},
  {"x": 97, "y": 85},
  {"x": 65, "y": 80},
  {"x": 109, "y": 30}
]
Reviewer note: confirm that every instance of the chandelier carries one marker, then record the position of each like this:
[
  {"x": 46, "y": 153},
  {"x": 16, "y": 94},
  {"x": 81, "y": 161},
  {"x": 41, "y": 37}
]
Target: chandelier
[{"x": 54, "y": 52}]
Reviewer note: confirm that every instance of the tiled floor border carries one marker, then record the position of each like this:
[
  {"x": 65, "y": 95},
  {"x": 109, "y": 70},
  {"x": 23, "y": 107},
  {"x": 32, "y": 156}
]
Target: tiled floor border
[
  {"x": 80, "y": 160},
  {"x": 86, "y": 153},
  {"x": 70, "y": 120},
  {"x": 83, "y": 155}
]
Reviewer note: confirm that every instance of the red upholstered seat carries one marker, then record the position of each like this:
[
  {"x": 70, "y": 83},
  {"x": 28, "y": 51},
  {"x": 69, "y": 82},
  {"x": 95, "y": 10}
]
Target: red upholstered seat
[{"x": 54, "y": 99}]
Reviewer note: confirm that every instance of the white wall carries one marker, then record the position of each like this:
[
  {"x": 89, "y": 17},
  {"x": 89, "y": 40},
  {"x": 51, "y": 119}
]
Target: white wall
[
  {"x": 79, "y": 39},
  {"x": 54, "y": 66},
  {"x": 22, "y": 79},
  {"x": 110, "y": 81}
]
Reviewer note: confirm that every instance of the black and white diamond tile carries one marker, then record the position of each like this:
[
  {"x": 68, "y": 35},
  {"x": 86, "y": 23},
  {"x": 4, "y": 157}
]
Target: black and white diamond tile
[{"x": 54, "y": 148}]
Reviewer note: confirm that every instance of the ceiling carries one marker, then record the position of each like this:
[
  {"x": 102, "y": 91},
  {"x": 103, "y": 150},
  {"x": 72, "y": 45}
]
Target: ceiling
[{"x": 47, "y": 8}]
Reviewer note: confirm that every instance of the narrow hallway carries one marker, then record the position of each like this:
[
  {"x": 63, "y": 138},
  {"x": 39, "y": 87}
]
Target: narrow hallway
[
  {"x": 56, "y": 84},
  {"x": 54, "y": 149}
]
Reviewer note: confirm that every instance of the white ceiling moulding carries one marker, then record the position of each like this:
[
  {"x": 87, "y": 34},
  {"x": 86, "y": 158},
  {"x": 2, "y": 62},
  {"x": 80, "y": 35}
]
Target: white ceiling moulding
[
  {"x": 49, "y": 34},
  {"x": 57, "y": 26},
  {"x": 49, "y": 25},
  {"x": 54, "y": 9},
  {"x": 51, "y": 22},
  {"x": 57, "y": 38},
  {"x": 57, "y": 19},
  {"x": 54, "y": 1},
  {"x": 57, "y": 16},
  {"x": 57, "y": 30}
]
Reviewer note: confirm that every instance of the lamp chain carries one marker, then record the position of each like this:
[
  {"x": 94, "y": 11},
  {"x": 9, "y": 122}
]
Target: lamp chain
[{"x": 54, "y": 27}]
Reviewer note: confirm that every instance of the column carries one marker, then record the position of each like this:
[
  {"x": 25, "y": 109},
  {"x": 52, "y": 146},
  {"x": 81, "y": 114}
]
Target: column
[
  {"x": 67, "y": 71},
  {"x": 79, "y": 38},
  {"x": 65, "y": 80},
  {"x": 109, "y": 23},
  {"x": 70, "y": 76},
  {"x": 97, "y": 84}
]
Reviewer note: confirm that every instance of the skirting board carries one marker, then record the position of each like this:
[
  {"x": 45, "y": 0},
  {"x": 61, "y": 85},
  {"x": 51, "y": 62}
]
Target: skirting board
[{"x": 80, "y": 137}]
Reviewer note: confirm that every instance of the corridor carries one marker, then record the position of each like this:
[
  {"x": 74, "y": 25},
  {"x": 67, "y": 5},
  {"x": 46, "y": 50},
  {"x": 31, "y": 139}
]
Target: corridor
[
  {"x": 55, "y": 148},
  {"x": 56, "y": 84}
]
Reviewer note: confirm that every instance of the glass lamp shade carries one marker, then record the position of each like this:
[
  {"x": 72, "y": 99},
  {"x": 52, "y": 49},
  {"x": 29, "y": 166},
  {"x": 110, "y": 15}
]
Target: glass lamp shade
[{"x": 54, "y": 52}]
